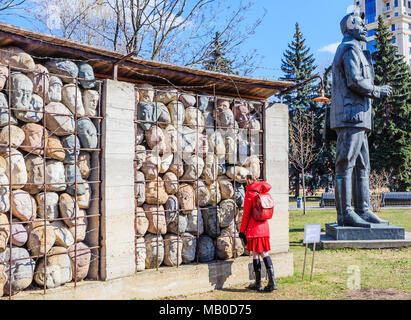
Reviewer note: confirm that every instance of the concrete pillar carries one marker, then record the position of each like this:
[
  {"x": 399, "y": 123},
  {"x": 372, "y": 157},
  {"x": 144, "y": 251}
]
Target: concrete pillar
[
  {"x": 118, "y": 205},
  {"x": 276, "y": 166}
]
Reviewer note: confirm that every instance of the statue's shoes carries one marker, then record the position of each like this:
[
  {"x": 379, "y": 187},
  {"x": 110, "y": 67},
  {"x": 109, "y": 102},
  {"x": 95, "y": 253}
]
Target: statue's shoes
[
  {"x": 371, "y": 217},
  {"x": 352, "y": 219}
]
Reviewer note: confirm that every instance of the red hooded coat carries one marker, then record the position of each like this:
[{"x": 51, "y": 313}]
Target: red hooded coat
[{"x": 255, "y": 229}]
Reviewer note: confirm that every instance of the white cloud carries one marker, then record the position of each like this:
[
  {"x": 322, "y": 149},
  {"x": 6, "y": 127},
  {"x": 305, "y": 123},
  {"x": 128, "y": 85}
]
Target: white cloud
[{"x": 331, "y": 48}]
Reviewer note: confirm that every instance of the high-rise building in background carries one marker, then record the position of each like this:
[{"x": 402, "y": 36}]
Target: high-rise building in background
[{"x": 397, "y": 17}]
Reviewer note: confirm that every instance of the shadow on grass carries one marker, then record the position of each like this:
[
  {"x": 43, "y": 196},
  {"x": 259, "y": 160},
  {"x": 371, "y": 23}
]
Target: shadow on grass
[
  {"x": 235, "y": 290},
  {"x": 297, "y": 230}
]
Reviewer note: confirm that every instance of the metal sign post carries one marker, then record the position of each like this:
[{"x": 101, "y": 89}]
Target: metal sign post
[{"x": 311, "y": 235}]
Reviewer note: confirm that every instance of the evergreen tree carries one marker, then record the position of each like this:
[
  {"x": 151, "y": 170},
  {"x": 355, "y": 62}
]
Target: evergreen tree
[
  {"x": 390, "y": 144},
  {"x": 298, "y": 65},
  {"x": 217, "y": 60}
]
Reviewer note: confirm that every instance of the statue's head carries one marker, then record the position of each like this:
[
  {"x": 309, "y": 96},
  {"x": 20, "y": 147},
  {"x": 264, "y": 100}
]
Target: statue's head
[
  {"x": 86, "y": 75},
  {"x": 148, "y": 113},
  {"x": 353, "y": 25}
]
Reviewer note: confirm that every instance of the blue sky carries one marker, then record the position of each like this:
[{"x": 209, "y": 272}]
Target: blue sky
[{"x": 318, "y": 20}]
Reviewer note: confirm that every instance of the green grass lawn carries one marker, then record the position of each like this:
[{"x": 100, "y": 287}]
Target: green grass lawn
[{"x": 384, "y": 273}]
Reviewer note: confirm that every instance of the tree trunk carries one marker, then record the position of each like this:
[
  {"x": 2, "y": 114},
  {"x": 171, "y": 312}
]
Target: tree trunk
[
  {"x": 303, "y": 191},
  {"x": 297, "y": 185}
]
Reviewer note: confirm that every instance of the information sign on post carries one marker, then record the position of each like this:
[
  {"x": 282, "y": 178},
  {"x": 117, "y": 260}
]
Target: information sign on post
[{"x": 312, "y": 233}]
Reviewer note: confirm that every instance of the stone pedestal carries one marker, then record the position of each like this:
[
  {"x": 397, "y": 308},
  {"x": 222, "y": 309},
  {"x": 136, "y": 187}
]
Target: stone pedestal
[{"x": 376, "y": 232}]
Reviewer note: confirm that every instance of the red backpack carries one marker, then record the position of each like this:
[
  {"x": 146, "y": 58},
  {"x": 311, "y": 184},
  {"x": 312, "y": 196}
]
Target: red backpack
[{"x": 263, "y": 207}]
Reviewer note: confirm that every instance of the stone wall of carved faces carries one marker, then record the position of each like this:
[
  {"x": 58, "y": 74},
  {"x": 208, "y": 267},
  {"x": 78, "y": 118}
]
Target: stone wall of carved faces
[
  {"x": 193, "y": 154},
  {"x": 49, "y": 120}
]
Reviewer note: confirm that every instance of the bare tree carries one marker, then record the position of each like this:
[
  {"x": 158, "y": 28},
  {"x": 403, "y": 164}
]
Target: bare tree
[
  {"x": 302, "y": 153},
  {"x": 175, "y": 31},
  {"x": 379, "y": 180},
  {"x": 10, "y": 4}
]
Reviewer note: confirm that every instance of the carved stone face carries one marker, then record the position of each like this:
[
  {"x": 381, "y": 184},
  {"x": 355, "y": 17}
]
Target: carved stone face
[
  {"x": 193, "y": 168},
  {"x": 18, "y": 169},
  {"x": 22, "y": 91},
  {"x": 40, "y": 78},
  {"x": 151, "y": 166},
  {"x": 55, "y": 175},
  {"x": 177, "y": 112},
  {"x": 140, "y": 190},
  {"x": 36, "y": 104},
  {"x": 186, "y": 198},
  {"x": 194, "y": 118},
  {"x": 227, "y": 212},
  {"x": 4, "y": 193},
  {"x": 202, "y": 192},
  {"x": 87, "y": 133},
  {"x": 242, "y": 115},
  {"x": 239, "y": 194},
  {"x": 156, "y": 140},
  {"x": 55, "y": 87},
  {"x": 206, "y": 250},
  {"x": 72, "y": 173},
  {"x": 85, "y": 71},
  {"x": 4, "y": 74},
  {"x": 148, "y": 111},
  {"x": 67, "y": 69},
  {"x": 210, "y": 169},
  {"x": 71, "y": 154},
  {"x": 225, "y": 118},
  {"x": 140, "y": 156},
  {"x": 4, "y": 113},
  {"x": 216, "y": 142},
  {"x": 72, "y": 98},
  {"x": 146, "y": 93},
  {"x": 90, "y": 102}
]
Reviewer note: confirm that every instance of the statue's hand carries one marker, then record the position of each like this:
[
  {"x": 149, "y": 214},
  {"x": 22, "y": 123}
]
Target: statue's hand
[{"x": 386, "y": 91}]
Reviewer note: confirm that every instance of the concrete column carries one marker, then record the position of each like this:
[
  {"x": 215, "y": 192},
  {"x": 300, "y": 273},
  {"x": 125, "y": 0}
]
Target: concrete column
[
  {"x": 276, "y": 166},
  {"x": 117, "y": 225}
]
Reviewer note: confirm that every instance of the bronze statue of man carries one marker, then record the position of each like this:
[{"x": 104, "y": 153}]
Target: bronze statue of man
[{"x": 351, "y": 117}]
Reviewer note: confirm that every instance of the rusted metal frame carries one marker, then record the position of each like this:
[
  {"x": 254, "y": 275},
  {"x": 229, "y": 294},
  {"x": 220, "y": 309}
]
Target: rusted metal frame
[
  {"x": 99, "y": 118},
  {"x": 216, "y": 159},
  {"x": 10, "y": 184},
  {"x": 45, "y": 184},
  {"x": 234, "y": 184},
  {"x": 198, "y": 200},
  {"x": 158, "y": 175},
  {"x": 75, "y": 182},
  {"x": 178, "y": 211},
  {"x": 135, "y": 178},
  {"x": 45, "y": 191},
  {"x": 263, "y": 142}
]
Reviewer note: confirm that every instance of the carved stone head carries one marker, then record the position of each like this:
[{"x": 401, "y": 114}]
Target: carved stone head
[
  {"x": 87, "y": 133},
  {"x": 146, "y": 93},
  {"x": 36, "y": 104},
  {"x": 140, "y": 156},
  {"x": 225, "y": 118},
  {"x": 71, "y": 154},
  {"x": 4, "y": 74},
  {"x": 90, "y": 102},
  {"x": 73, "y": 100},
  {"x": 86, "y": 75},
  {"x": 4, "y": 112},
  {"x": 55, "y": 87},
  {"x": 22, "y": 91},
  {"x": 186, "y": 198},
  {"x": 177, "y": 112},
  {"x": 140, "y": 188},
  {"x": 148, "y": 113},
  {"x": 242, "y": 114}
]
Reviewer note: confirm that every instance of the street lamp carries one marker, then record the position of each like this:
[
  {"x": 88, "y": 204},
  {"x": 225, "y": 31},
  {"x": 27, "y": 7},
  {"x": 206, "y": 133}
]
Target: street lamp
[{"x": 320, "y": 98}]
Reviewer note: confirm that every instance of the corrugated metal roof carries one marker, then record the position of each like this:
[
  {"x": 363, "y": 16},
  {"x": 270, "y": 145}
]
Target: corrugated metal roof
[{"x": 139, "y": 70}]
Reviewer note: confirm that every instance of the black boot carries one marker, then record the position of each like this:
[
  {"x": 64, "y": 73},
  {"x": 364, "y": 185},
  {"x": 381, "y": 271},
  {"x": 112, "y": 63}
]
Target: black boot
[
  {"x": 343, "y": 195},
  {"x": 257, "y": 272},
  {"x": 362, "y": 197},
  {"x": 270, "y": 272}
]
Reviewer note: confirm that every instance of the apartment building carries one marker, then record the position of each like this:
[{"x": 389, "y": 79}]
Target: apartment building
[{"x": 397, "y": 16}]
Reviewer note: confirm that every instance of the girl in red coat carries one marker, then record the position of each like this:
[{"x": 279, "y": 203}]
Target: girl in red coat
[{"x": 256, "y": 235}]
